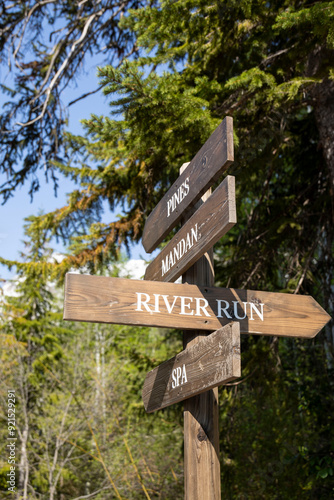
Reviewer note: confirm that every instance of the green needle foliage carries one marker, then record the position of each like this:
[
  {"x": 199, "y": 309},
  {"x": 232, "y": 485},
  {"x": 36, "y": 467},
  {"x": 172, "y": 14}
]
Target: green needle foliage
[
  {"x": 270, "y": 65},
  {"x": 44, "y": 45},
  {"x": 204, "y": 62},
  {"x": 80, "y": 426}
]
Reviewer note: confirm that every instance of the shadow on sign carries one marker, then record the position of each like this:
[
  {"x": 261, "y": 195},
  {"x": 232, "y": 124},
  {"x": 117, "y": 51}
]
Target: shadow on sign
[{"x": 163, "y": 376}]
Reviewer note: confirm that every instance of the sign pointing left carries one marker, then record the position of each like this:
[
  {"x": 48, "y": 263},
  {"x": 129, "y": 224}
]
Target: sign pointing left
[
  {"x": 213, "y": 361},
  {"x": 214, "y": 157},
  {"x": 201, "y": 231}
]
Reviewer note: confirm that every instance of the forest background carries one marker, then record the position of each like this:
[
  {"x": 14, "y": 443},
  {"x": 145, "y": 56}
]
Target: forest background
[{"x": 173, "y": 71}]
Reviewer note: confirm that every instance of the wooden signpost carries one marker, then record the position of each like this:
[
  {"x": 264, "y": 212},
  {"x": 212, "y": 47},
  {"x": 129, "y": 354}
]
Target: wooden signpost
[
  {"x": 196, "y": 306},
  {"x": 201, "y": 231},
  {"x": 205, "y": 168},
  {"x": 213, "y": 361},
  {"x": 101, "y": 299}
]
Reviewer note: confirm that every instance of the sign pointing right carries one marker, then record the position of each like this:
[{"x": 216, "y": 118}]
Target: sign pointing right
[{"x": 102, "y": 299}]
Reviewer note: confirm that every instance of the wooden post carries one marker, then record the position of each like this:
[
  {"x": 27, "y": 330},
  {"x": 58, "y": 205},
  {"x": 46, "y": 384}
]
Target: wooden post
[
  {"x": 153, "y": 303},
  {"x": 201, "y": 413}
]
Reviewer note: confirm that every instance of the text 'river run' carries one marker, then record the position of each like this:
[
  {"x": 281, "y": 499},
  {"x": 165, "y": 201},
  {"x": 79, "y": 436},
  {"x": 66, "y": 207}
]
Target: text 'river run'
[{"x": 197, "y": 306}]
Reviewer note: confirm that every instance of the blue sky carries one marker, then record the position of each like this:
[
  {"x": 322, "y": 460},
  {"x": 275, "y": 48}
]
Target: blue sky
[{"x": 12, "y": 214}]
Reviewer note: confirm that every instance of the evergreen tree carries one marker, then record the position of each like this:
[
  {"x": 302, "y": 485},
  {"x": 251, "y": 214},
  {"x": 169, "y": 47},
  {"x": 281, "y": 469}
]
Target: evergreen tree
[
  {"x": 31, "y": 327},
  {"x": 43, "y": 47},
  {"x": 269, "y": 65},
  {"x": 80, "y": 426},
  {"x": 238, "y": 59}
]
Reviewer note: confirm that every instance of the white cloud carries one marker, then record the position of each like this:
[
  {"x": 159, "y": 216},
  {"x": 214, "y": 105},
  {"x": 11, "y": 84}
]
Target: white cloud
[{"x": 133, "y": 268}]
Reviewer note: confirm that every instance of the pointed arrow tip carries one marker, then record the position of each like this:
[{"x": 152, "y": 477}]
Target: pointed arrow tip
[{"x": 323, "y": 317}]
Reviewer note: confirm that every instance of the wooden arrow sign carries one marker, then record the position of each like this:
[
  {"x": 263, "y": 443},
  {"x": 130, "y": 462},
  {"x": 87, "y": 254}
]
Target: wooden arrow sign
[
  {"x": 208, "y": 224},
  {"x": 102, "y": 299},
  {"x": 214, "y": 361},
  {"x": 204, "y": 169}
]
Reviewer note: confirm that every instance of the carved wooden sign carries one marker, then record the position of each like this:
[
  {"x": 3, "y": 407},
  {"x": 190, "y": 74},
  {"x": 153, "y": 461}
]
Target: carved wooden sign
[
  {"x": 208, "y": 224},
  {"x": 214, "y": 361},
  {"x": 204, "y": 169},
  {"x": 170, "y": 305}
]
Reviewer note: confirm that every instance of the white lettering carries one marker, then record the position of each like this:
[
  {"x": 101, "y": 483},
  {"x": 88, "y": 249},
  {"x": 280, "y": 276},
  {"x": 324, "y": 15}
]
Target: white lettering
[
  {"x": 169, "y": 307},
  {"x": 184, "y": 375},
  {"x": 186, "y": 186},
  {"x": 156, "y": 303},
  {"x": 182, "y": 244},
  {"x": 141, "y": 302},
  {"x": 253, "y": 306},
  {"x": 235, "y": 309},
  {"x": 194, "y": 234},
  {"x": 193, "y": 238},
  {"x": 178, "y": 374},
  {"x": 169, "y": 203},
  {"x": 164, "y": 266},
  {"x": 171, "y": 262},
  {"x": 203, "y": 307},
  {"x": 188, "y": 244},
  {"x": 223, "y": 309},
  {"x": 174, "y": 378},
  {"x": 176, "y": 253},
  {"x": 200, "y": 307},
  {"x": 182, "y": 195},
  {"x": 177, "y": 197},
  {"x": 179, "y": 250},
  {"x": 184, "y": 305}
]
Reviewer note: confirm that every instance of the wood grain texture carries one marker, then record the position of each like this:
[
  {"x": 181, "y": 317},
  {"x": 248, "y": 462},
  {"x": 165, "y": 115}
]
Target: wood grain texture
[
  {"x": 210, "y": 162},
  {"x": 201, "y": 231},
  {"x": 170, "y": 305},
  {"x": 201, "y": 412},
  {"x": 211, "y": 362}
]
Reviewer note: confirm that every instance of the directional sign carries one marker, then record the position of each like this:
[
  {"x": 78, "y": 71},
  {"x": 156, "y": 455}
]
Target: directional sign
[
  {"x": 213, "y": 361},
  {"x": 170, "y": 305},
  {"x": 204, "y": 169},
  {"x": 209, "y": 223}
]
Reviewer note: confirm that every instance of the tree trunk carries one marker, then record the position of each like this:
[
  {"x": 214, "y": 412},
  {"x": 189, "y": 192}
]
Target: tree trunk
[
  {"x": 24, "y": 435},
  {"x": 323, "y": 103},
  {"x": 324, "y": 115},
  {"x": 24, "y": 465}
]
